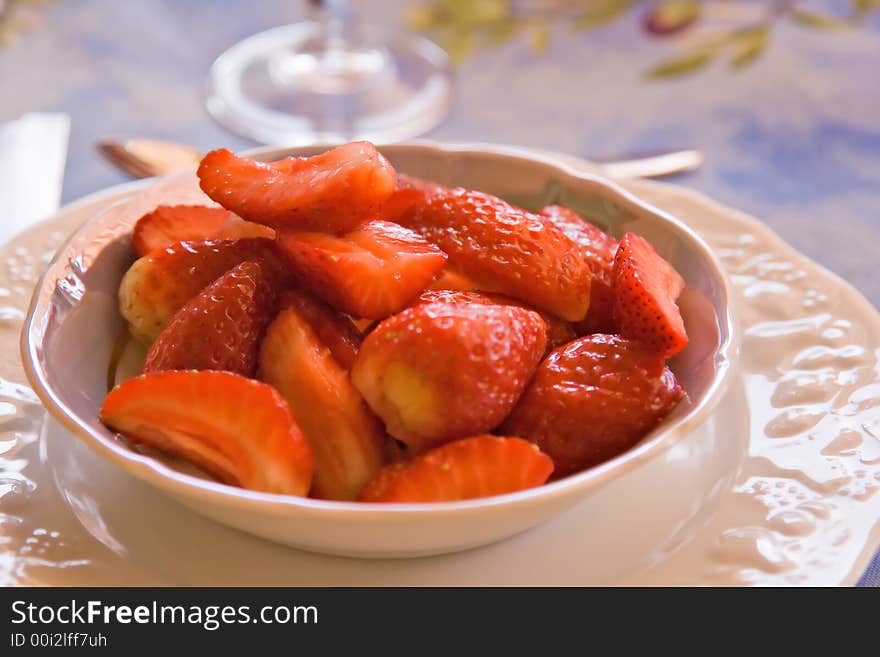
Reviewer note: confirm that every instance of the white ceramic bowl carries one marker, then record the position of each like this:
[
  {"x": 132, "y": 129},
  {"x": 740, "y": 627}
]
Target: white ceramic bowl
[{"x": 73, "y": 323}]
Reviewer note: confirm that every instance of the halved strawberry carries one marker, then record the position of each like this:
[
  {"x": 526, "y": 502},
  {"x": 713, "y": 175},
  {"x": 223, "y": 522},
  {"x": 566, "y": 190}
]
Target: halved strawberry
[
  {"x": 461, "y": 470},
  {"x": 346, "y": 438},
  {"x": 451, "y": 278},
  {"x": 593, "y": 399},
  {"x": 334, "y": 329},
  {"x": 157, "y": 285},
  {"x": 597, "y": 248},
  {"x": 220, "y": 328},
  {"x": 371, "y": 272},
  {"x": 441, "y": 371},
  {"x": 500, "y": 246},
  {"x": 332, "y": 192},
  {"x": 169, "y": 224},
  {"x": 645, "y": 290},
  {"x": 559, "y": 331},
  {"x": 405, "y": 181},
  {"x": 239, "y": 430}
]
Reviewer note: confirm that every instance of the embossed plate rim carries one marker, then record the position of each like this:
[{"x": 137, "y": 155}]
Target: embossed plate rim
[{"x": 692, "y": 572}]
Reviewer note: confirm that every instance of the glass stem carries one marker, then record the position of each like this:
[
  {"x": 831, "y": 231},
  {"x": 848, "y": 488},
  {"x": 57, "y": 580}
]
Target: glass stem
[{"x": 334, "y": 17}]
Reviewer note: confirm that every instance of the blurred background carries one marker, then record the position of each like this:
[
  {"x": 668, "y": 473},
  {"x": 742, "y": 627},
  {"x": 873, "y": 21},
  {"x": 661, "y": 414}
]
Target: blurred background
[{"x": 782, "y": 97}]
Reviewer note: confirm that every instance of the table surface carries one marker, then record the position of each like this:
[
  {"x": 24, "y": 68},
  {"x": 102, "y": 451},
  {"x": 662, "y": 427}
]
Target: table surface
[{"x": 793, "y": 139}]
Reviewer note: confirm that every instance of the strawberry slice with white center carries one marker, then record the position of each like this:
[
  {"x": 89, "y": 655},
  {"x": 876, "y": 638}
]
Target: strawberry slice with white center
[
  {"x": 346, "y": 438},
  {"x": 239, "y": 430},
  {"x": 221, "y": 328},
  {"x": 333, "y": 192},
  {"x": 158, "y": 285},
  {"x": 372, "y": 272},
  {"x": 331, "y": 327}
]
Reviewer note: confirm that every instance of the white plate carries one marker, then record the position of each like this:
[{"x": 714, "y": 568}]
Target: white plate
[{"x": 777, "y": 489}]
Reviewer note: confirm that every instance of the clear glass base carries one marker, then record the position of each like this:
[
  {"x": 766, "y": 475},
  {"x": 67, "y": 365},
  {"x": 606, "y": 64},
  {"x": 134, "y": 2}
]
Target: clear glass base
[{"x": 296, "y": 85}]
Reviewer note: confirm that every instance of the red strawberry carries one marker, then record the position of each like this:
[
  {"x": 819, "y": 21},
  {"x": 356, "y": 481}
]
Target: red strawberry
[
  {"x": 600, "y": 316},
  {"x": 239, "y": 430},
  {"x": 405, "y": 181},
  {"x": 645, "y": 290},
  {"x": 593, "y": 399},
  {"x": 440, "y": 371},
  {"x": 332, "y": 192},
  {"x": 334, "y": 329},
  {"x": 169, "y": 224},
  {"x": 156, "y": 286},
  {"x": 500, "y": 246},
  {"x": 371, "y": 272},
  {"x": 220, "y": 328},
  {"x": 558, "y": 330},
  {"x": 597, "y": 248},
  {"x": 461, "y": 470},
  {"x": 364, "y": 325},
  {"x": 346, "y": 438},
  {"x": 452, "y": 279}
]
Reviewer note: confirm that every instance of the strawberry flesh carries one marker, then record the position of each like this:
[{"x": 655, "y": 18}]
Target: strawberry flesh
[
  {"x": 597, "y": 249},
  {"x": 221, "y": 328},
  {"x": 371, "y": 272},
  {"x": 441, "y": 371},
  {"x": 334, "y": 329},
  {"x": 156, "y": 286},
  {"x": 169, "y": 224},
  {"x": 465, "y": 469},
  {"x": 332, "y": 192},
  {"x": 645, "y": 290},
  {"x": 559, "y": 331},
  {"x": 239, "y": 430},
  {"x": 346, "y": 438}
]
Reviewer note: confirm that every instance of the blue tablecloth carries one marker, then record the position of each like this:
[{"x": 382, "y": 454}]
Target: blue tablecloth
[{"x": 794, "y": 139}]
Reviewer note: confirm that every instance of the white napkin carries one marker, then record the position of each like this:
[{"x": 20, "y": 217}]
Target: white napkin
[{"x": 33, "y": 152}]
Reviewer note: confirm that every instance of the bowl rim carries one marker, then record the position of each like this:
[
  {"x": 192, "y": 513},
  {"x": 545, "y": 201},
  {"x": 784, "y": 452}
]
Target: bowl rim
[{"x": 165, "y": 477}]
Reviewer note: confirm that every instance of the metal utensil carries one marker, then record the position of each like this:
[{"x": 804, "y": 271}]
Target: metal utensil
[
  {"x": 654, "y": 166},
  {"x": 143, "y": 158}
]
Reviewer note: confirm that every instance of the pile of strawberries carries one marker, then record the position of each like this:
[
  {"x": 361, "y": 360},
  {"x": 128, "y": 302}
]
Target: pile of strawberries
[{"x": 337, "y": 330}]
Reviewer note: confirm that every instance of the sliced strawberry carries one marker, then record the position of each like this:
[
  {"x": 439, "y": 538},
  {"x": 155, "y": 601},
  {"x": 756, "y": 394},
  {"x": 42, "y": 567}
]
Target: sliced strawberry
[
  {"x": 405, "y": 181},
  {"x": 220, "y": 328},
  {"x": 600, "y": 316},
  {"x": 440, "y": 371},
  {"x": 371, "y": 272},
  {"x": 461, "y": 470},
  {"x": 559, "y": 331},
  {"x": 239, "y": 430},
  {"x": 451, "y": 278},
  {"x": 500, "y": 246},
  {"x": 593, "y": 399},
  {"x": 364, "y": 325},
  {"x": 597, "y": 248},
  {"x": 645, "y": 290},
  {"x": 346, "y": 438},
  {"x": 157, "y": 285},
  {"x": 332, "y": 192},
  {"x": 334, "y": 329},
  {"x": 169, "y": 224}
]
